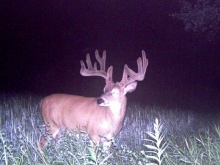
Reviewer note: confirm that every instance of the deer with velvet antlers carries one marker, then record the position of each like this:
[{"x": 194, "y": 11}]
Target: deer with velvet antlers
[{"x": 102, "y": 118}]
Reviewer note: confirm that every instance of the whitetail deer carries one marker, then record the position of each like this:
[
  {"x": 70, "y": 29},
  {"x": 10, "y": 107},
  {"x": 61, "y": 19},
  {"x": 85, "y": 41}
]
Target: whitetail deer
[{"x": 102, "y": 118}]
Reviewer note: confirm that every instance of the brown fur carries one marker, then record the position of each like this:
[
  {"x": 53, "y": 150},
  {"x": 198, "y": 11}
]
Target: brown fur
[{"x": 73, "y": 112}]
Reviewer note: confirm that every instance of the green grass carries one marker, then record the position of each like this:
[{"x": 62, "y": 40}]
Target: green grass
[{"x": 178, "y": 136}]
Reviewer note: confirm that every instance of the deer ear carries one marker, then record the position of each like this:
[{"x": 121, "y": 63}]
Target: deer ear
[{"x": 130, "y": 87}]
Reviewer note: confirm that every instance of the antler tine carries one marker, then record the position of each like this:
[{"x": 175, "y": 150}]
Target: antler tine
[
  {"x": 124, "y": 77},
  {"x": 133, "y": 76},
  {"x": 102, "y": 60},
  {"x": 88, "y": 61},
  {"x": 142, "y": 65},
  {"x": 93, "y": 71}
]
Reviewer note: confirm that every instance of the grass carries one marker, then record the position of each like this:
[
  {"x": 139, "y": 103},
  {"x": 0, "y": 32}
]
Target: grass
[{"x": 151, "y": 135}]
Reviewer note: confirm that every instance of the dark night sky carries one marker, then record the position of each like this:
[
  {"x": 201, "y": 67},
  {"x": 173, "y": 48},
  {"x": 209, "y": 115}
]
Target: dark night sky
[{"x": 41, "y": 44}]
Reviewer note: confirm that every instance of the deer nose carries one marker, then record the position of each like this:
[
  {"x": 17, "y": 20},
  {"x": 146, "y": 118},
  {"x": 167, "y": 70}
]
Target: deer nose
[{"x": 100, "y": 101}]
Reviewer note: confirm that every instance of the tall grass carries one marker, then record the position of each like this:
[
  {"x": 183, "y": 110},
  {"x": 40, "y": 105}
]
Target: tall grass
[{"x": 187, "y": 137}]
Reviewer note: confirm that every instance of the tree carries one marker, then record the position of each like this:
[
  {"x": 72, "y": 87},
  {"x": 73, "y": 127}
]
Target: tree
[{"x": 201, "y": 16}]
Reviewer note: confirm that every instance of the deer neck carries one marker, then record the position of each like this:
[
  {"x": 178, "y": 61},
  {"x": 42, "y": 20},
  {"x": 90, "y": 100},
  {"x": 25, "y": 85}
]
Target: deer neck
[{"x": 118, "y": 108}]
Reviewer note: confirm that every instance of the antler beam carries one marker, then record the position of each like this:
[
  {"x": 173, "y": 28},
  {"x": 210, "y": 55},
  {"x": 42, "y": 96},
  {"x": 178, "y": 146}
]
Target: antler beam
[
  {"x": 93, "y": 71},
  {"x": 130, "y": 76}
]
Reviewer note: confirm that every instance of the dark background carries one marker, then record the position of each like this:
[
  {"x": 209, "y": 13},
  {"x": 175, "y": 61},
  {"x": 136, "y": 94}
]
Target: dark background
[{"x": 42, "y": 42}]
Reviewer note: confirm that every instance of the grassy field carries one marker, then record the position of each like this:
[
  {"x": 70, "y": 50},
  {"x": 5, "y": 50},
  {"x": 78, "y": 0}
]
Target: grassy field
[{"x": 151, "y": 135}]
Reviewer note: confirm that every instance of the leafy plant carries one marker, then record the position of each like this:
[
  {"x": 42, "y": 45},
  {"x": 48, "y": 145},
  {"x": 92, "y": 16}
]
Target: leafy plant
[{"x": 155, "y": 145}]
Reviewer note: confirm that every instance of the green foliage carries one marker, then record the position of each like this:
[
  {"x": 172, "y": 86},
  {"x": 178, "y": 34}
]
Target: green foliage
[
  {"x": 202, "y": 16},
  {"x": 191, "y": 139},
  {"x": 73, "y": 148},
  {"x": 156, "y": 147},
  {"x": 200, "y": 149}
]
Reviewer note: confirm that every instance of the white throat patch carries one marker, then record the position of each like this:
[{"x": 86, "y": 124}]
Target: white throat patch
[{"x": 115, "y": 107}]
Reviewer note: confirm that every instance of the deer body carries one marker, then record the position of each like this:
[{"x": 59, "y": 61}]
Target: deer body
[
  {"x": 102, "y": 118},
  {"x": 56, "y": 112}
]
